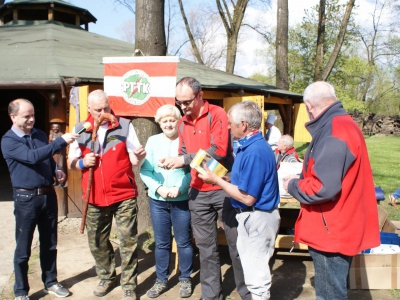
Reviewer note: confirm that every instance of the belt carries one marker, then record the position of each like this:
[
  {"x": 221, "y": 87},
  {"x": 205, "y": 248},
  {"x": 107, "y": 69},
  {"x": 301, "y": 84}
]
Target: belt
[
  {"x": 241, "y": 210},
  {"x": 38, "y": 191}
]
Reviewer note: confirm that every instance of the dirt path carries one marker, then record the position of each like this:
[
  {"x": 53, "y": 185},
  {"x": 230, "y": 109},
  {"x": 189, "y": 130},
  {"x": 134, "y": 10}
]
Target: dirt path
[{"x": 292, "y": 274}]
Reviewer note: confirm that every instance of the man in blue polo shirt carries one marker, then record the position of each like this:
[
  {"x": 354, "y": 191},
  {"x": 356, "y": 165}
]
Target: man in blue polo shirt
[
  {"x": 32, "y": 169},
  {"x": 254, "y": 194}
]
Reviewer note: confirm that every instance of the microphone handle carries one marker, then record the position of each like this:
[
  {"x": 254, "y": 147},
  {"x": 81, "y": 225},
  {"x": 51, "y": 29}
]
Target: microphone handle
[{"x": 81, "y": 130}]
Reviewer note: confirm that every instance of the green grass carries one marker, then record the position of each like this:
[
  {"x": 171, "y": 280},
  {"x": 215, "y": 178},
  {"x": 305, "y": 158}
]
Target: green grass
[
  {"x": 395, "y": 293},
  {"x": 384, "y": 154}
]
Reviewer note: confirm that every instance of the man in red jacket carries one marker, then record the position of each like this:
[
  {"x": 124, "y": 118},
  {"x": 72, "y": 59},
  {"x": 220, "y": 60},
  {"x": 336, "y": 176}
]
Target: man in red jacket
[
  {"x": 205, "y": 126},
  {"x": 113, "y": 193},
  {"x": 338, "y": 216}
]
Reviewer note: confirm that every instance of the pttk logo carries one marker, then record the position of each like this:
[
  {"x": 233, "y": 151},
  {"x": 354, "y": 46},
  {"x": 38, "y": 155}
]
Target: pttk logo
[{"x": 136, "y": 87}]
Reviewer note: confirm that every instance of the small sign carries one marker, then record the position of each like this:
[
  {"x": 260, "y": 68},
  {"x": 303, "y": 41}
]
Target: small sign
[{"x": 139, "y": 85}]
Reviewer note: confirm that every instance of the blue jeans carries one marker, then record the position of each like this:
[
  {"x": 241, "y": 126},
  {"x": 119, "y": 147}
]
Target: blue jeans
[
  {"x": 164, "y": 215},
  {"x": 331, "y": 272},
  {"x": 396, "y": 194},
  {"x": 31, "y": 210}
]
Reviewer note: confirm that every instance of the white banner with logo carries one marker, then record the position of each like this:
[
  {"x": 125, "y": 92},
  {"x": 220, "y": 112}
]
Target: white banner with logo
[{"x": 139, "y": 85}]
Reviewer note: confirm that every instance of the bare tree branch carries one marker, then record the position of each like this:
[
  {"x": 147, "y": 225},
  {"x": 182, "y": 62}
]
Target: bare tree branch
[
  {"x": 189, "y": 32},
  {"x": 232, "y": 26},
  {"x": 339, "y": 42},
  {"x": 265, "y": 34},
  {"x": 129, "y": 4}
]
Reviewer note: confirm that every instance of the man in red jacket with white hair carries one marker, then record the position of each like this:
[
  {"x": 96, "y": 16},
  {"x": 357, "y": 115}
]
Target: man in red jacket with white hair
[
  {"x": 338, "y": 216},
  {"x": 113, "y": 193}
]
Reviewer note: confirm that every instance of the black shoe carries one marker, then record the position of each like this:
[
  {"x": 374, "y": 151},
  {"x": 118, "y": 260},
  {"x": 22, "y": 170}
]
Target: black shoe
[{"x": 158, "y": 288}]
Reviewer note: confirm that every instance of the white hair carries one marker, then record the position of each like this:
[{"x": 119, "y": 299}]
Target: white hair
[
  {"x": 319, "y": 93},
  {"x": 167, "y": 110},
  {"x": 247, "y": 111},
  {"x": 96, "y": 95}
]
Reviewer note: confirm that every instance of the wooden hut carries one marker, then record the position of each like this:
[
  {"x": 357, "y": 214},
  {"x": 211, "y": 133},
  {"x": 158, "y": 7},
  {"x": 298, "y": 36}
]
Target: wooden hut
[{"x": 46, "y": 50}]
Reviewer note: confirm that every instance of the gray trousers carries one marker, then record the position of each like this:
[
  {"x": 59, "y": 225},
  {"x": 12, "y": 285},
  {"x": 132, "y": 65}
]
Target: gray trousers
[
  {"x": 206, "y": 208},
  {"x": 256, "y": 244}
]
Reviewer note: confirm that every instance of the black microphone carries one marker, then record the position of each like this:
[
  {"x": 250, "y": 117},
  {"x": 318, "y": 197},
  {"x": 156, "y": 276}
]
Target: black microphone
[{"x": 85, "y": 127}]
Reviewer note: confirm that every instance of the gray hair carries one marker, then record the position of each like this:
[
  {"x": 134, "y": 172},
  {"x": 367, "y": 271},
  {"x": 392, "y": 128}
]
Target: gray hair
[
  {"x": 166, "y": 111},
  {"x": 318, "y": 93},
  {"x": 247, "y": 111},
  {"x": 96, "y": 95},
  {"x": 13, "y": 106},
  {"x": 287, "y": 140},
  {"x": 193, "y": 83}
]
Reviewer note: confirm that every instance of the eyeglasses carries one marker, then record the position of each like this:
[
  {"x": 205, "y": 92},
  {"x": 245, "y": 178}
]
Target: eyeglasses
[{"x": 185, "y": 102}]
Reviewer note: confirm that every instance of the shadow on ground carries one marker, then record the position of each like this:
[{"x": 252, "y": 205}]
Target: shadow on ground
[{"x": 293, "y": 275}]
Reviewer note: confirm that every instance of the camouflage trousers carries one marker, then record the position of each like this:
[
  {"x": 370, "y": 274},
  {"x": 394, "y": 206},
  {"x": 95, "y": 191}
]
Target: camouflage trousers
[{"x": 98, "y": 226}]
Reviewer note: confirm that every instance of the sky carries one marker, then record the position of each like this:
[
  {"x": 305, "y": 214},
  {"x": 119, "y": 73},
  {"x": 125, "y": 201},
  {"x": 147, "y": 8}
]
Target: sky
[{"x": 111, "y": 17}]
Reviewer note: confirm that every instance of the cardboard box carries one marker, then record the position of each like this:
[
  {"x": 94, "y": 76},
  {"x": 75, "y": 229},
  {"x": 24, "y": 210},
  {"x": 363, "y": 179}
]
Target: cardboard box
[
  {"x": 375, "y": 271},
  {"x": 385, "y": 225},
  {"x": 382, "y": 215},
  {"x": 397, "y": 225},
  {"x": 389, "y": 227}
]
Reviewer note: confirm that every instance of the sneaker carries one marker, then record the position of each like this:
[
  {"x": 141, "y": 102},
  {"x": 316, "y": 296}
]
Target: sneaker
[
  {"x": 104, "y": 287},
  {"x": 22, "y": 298},
  {"x": 185, "y": 291},
  {"x": 58, "y": 290},
  {"x": 158, "y": 288},
  {"x": 129, "y": 295}
]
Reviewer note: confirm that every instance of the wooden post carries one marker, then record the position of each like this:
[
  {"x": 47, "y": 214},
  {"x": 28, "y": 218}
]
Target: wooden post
[{"x": 62, "y": 200}]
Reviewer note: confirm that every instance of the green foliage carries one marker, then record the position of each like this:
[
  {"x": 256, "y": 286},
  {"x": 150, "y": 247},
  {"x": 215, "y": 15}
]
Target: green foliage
[
  {"x": 302, "y": 45},
  {"x": 366, "y": 74},
  {"x": 262, "y": 78},
  {"x": 384, "y": 152}
]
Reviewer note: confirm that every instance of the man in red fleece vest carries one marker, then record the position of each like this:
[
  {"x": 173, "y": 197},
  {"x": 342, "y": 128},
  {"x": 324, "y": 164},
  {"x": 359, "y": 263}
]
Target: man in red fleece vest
[
  {"x": 338, "y": 216},
  {"x": 113, "y": 193}
]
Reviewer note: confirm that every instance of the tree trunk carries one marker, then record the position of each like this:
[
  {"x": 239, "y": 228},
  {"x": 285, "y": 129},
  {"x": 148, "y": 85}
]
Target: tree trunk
[
  {"x": 150, "y": 39},
  {"x": 324, "y": 73},
  {"x": 319, "y": 58},
  {"x": 232, "y": 26},
  {"x": 150, "y": 33},
  {"x": 282, "y": 35}
]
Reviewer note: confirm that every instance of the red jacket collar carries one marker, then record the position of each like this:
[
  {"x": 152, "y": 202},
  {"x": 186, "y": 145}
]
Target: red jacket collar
[{"x": 290, "y": 151}]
